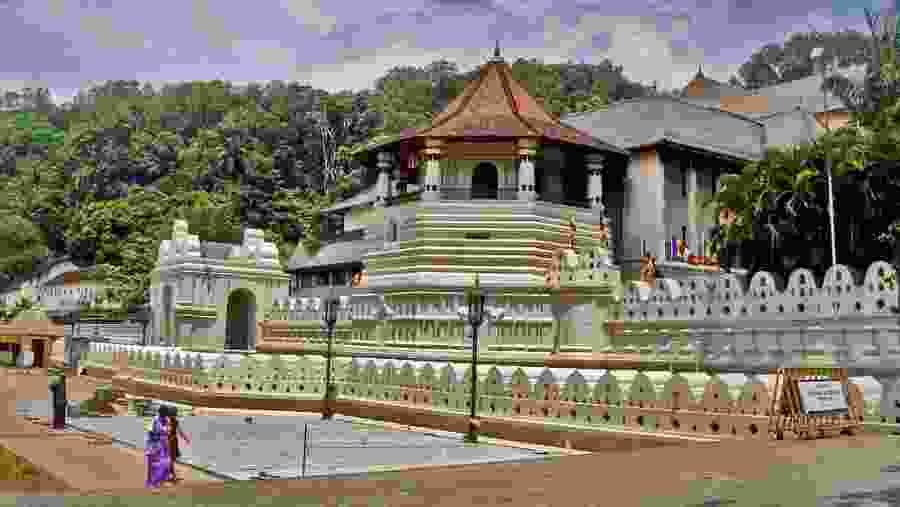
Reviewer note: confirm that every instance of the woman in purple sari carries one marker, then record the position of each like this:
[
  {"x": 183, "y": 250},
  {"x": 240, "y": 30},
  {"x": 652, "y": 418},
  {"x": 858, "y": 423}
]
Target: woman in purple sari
[{"x": 156, "y": 450}]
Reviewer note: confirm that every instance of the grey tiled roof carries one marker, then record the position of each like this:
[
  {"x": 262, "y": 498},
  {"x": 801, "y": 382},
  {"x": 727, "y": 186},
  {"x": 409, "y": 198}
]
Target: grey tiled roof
[
  {"x": 342, "y": 252},
  {"x": 797, "y": 126},
  {"x": 298, "y": 258},
  {"x": 60, "y": 279},
  {"x": 729, "y": 151},
  {"x": 715, "y": 89},
  {"x": 804, "y": 93},
  {"x": 367, "y": 196},
  {"x": 644, "y": 121}
]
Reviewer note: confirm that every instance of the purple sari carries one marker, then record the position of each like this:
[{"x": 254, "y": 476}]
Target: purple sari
[{"x": 156, "y": 452}]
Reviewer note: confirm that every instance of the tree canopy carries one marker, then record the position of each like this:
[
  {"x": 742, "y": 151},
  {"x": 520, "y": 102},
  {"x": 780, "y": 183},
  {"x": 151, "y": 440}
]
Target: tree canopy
[
  {"x": 779, "y": 203},
  {"x": 102, "y": 179}
]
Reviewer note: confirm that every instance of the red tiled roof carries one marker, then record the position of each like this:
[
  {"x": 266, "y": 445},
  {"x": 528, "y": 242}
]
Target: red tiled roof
[{"x": 496, "y": 105}]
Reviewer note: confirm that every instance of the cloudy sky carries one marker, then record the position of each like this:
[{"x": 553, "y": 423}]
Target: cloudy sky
[{"x": 346, "y": 44}]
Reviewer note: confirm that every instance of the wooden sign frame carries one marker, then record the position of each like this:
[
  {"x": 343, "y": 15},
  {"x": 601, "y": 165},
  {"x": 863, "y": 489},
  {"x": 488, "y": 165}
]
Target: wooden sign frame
[{"x": 786, "y": 412}]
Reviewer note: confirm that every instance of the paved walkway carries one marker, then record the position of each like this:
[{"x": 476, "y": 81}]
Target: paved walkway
[
  {"x": 81, "y": 460},
  {"x": 788, "y": 473}
]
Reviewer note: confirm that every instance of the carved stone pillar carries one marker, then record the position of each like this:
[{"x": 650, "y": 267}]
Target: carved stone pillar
[
  {"x": 696, "y": 241},
  {"x": 383, "y": 185},
  {"x": 526, "y": 178},
  {"x": 595, "y": 164},
  {"x": 432, "y": 191}
]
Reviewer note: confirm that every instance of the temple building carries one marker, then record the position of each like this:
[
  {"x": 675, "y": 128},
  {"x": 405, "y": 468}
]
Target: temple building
[
  {"x": 496, "y": 183},
  {"x": 680, "y": 145},
  {"x": 495, "y": 186},
  {"x": 493, "y": 151},
  {"x": 646, "y": 165}
]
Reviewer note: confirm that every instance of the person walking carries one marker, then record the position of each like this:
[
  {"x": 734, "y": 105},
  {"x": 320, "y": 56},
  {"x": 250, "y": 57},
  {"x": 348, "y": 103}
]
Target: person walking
[
  {"x": 156, "y": 449},
  {"x": 175, "y": 432}
]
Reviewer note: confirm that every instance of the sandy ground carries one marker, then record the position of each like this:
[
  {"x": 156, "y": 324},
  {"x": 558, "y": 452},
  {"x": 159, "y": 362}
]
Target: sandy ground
[{"x": 610, "y": 478}]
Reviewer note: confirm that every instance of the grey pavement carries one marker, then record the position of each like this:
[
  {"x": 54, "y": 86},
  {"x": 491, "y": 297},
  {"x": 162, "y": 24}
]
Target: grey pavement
[
  {"x": 881, "y": 492},
  {"x": 273, "y": 445}
]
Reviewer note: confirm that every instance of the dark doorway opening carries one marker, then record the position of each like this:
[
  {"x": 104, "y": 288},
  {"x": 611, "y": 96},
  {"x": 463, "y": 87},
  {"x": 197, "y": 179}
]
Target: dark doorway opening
[
  {"x": 37, "y": 346},
  {"x": 484, "y": 181}
]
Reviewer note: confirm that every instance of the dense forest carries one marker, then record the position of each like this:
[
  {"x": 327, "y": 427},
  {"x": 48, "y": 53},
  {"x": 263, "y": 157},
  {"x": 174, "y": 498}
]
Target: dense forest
[{"x": 101, "y": 179}]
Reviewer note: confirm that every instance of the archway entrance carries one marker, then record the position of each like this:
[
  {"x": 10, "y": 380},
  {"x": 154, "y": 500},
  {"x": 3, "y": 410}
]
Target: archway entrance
[
  {"x": 484, "y": 181},
  {"x": 240, "y": 327}
]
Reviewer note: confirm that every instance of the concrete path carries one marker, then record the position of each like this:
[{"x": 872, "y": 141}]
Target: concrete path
[{"x": 81, "y": 460}]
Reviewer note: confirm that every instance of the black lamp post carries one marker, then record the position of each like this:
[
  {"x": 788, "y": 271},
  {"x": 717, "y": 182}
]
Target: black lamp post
[
  {"x": 329, "y": 319},
  {"x": 475, "y": 316}
]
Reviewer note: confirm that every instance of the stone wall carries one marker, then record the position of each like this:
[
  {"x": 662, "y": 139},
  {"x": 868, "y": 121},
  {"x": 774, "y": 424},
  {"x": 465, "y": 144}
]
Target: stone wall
[
  {"x": 846, "y": 320},
  {"x": 659, "y": 401},
  {"x": 844, "y": 292}
]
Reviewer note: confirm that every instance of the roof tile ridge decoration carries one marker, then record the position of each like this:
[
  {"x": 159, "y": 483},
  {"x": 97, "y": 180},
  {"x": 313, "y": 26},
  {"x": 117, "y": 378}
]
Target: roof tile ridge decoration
[
  {"x": 611, "y": 105},
  {"x": 717, "y": 110},
  {"x": 847, "y": 72},
  {"x": 460, "y": 103},
  {"x": 511, "y": 100}
]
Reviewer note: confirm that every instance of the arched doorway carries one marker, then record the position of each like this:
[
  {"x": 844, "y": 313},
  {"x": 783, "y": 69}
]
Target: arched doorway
[
  {"x": 240, "y": 327},
  {"x": 166, "y": 335},
  {"x": 484, "y": 181}
]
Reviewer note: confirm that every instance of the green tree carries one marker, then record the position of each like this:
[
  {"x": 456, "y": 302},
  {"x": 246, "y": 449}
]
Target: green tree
[
  {"x": 404, "y": 104},
  {"x": 542, "y": 82},
  {"x": 122, "y": 237},
  {"x": 22, "y": 246}
]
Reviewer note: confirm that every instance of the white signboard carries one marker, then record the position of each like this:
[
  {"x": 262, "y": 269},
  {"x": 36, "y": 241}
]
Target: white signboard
[{"x": 823, "y": 397}]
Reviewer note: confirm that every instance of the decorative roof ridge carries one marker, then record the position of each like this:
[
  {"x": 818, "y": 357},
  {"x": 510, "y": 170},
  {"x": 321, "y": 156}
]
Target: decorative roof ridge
[
  {"x": 466, "y": 99},
  {"x": 848, "y": 72},
  {"x": 671, "y": 99},
  {"x": 716, "y": 110},
  {"x": 512, "y": 101}
]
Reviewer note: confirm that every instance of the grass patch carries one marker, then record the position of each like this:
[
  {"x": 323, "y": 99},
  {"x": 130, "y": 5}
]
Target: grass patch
[
  {"x": 797, "y": 485},
  {"x": 14, "y": 468}
]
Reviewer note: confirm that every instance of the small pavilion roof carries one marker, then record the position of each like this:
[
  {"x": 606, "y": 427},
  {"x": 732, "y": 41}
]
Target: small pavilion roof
[{"x": 496, "y": 106}]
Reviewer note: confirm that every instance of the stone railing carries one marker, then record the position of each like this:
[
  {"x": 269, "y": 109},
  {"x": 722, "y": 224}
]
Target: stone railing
[
  {"x": 305, "y": 309},
  {"x": 846, "y": 321},
  {"x": 844, "y": 292},
  {"x": 691, "y": 402},
  {"x": 212, "y": 373}
]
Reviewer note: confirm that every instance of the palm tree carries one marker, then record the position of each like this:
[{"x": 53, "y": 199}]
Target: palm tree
[{"x": 865, "y": 99}]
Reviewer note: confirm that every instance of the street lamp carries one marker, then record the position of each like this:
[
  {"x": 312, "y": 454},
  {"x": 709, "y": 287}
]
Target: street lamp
[
  {"x": 817, "y": 53},
  {"x": 475, "y": 314},
  {"x": 329, "y": 319}
]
